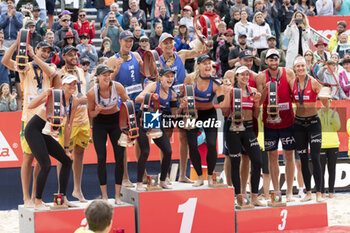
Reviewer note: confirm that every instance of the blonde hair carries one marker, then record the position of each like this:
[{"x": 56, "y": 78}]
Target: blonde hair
[
  {"x": 8, "y": 95},
  {"x": 195, "y": 75},
  {"x": 305, "y": 20},
  {"x": 256, "y": 14}
]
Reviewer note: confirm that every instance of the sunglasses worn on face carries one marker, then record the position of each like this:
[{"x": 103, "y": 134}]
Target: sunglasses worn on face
[
  {"x": 308, "y": 54},
  {"x": 65, "y": 20},
  {"x": 84, "y": 38},
  {"x": 209, "y": 6},
  {"x": 82, "y": 16}
]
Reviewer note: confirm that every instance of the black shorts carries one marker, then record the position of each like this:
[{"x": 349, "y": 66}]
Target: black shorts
[
  {"x": 50, "y": 7},
  {"x": 272, "y": 137}
]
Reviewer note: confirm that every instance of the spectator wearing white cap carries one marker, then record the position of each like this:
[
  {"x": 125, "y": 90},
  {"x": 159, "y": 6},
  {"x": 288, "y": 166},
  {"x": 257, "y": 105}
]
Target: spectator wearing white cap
[{"x": 188, "y": 20}]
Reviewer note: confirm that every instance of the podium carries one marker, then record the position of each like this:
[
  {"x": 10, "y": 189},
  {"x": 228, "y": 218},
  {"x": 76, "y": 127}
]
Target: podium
[
  {"x": 294, "y": 216},
  {"x": 183, "y": 209},
  {"x": 68, "y": 220}
]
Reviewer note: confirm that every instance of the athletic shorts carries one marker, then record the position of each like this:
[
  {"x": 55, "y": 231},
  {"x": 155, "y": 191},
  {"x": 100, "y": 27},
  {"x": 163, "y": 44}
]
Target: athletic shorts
[
  {"x": 272, "y": 137},
  {"x": 50, "y": 6},
  {"x": 80, "y": 136},
  {"x": 25, "y": 147}
]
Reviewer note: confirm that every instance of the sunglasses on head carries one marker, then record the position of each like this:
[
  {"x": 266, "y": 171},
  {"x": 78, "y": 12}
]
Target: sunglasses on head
[{"x": 65, "y": 20}]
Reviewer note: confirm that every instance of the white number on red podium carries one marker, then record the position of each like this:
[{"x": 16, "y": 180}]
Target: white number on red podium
[
  {"x": 284, "y": 219},
  {"x": 188, "y": 208}
]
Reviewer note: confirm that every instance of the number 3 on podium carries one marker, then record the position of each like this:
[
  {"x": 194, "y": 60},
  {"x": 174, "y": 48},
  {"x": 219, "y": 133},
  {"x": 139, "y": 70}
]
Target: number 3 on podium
[
  {"x": 284, "y": 219},
  {"x": 188, "y": 208}
]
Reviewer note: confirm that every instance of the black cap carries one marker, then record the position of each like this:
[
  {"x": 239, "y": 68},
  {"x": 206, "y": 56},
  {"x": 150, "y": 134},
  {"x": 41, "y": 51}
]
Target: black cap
[
  {"x": 30, "y": 23},
  {"x": 68, "y": 48},
  {"x": 85, "y": 35},
  {"x": 246, "y": 54},
  {"x": 84, "y": 60},
  {"x": 203, "y": 57},
  {"x": 164, "y": 71},
  {"x": 101, "y": 69},
  {"x": 44, "y": 44}
]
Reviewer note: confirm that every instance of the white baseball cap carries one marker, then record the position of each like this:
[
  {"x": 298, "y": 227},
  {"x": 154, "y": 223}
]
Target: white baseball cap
[
  {"x": 242, "y": 69},
  {"x": 299, "y": 60},
  {"x": 69, "y": 79}
]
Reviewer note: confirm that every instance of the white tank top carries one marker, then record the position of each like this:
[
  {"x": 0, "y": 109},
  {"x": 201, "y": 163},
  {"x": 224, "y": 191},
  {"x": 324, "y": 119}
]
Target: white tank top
[{"x": 108, "y": 103}]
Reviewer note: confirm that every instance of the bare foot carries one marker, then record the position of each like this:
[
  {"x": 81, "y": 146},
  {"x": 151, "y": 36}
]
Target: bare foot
[
  {"x": 257, "y": 202},
  {"x": 79, "y": 196},
  {"x": 210, "y": 180},
  {"x": 118, "y": 201},
  {"x": 306, "y": 198},
  {"x": 290, "y": 197},
  {"x": 323, "y": 195},
  {"x": 331, "y": 195},
  {"x": 164, "y": 185},
  {"x": 29, "y": 204},
  {"x": 198, "y": 183},
  {"x": 68, "y": 203},
  {"x": 127, "y": 183},
  {"x": 139, "y": 187},
  {"x": 319, "y": 197},
  {"x": 41, "y": 207},
  {"x": 185, "y": 180}
]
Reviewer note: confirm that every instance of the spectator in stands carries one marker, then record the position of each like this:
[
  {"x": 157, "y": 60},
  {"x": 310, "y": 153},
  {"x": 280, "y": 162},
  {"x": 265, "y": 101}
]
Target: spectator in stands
[
  {"x": 236, "y": 17},
  {"x": 87, "y": 50},
  {"x": 35, "y": 37},
  {"x": 223, "y": 10},
  {"x": 24, "y": 3},
  {"x": 106, "y": 50},
  {"x": 342, "y": 7},
  {"x": 112, "y": 30},
  {"x": 241, "y": 6},
  {"x": 61, "y": 33},
  {"x": 225, "y": 50},
  {"x": 11, "y": 23},
  {"x": 260, "y": 7},
  {"x": 344, "y": 77},
  {"x": 58, "y": 24},
  {"x": 118, "y": 16},
  {"x": 201, "y": 5},
  {"x": 343, "y": 46},
  {"x": 7, "y": 101},
  {"x": 156, "y": 4},
  {"x": 73, "y": 6},
  {"x": 3, "y": 7},
  {"x": 165, "y": 19},
  {"x": 84, "y": 26},
  {"x": 99, "y": 216},
  {"x": 27, "y": 13},
  {"x": 102, "y": 10},
  {"x": 213, "y": 18},
  {"x": 338, "y": 67},
  {"x": 243, "y": 26},
  {"x": 136, "y": 12},
  {"x": 219, "y": 40},
  {"x": 299, "y": 33},
  {"x": 285, "y": 16},
  {"x": 69, "y": 39},
  {"x": 154, "y": 40},
  {"x": 135, "y": 23},
  {"x": 271, "y": 42},
  {"x": 324, "y": 7},
  {"x": 137, "y": 36},
  {"x": 311, "y": 68},
  {"x": 305, "y": 7},
  {"x": 183, "y": 38},
  {"x": 333, "y": 41},
  {"x": 260, "y": 32},
  {"x": 4, "y": 72},
  {"x": 144, "y": 46},
  {"x": 85, "y": 65},
  {"x": 188, "y": 20},
  {"x": 326, "y": 76},
  {"x": 50, "y": 37},
  {"x": 233, "y": 56},
  {"x": 320, "y": 53},
  {"x": 40, "y": 25}
]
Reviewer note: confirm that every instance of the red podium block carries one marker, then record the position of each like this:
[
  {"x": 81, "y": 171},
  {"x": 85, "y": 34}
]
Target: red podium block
[
  {"x": 68, "y": 220},
  {"x": 291, "y": 217},
  {"x": 183, "y": 209}
]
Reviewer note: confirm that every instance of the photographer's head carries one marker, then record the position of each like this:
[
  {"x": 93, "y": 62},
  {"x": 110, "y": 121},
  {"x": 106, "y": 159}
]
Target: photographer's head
[
  {"x": 300, "y": 18},
  {"x": 99, "y": 216},
  {"x": 111, "y": 18}
]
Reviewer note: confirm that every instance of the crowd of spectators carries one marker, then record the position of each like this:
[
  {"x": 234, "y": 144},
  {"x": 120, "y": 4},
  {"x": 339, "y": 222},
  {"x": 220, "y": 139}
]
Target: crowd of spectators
[{"x": 235, "y": 26}]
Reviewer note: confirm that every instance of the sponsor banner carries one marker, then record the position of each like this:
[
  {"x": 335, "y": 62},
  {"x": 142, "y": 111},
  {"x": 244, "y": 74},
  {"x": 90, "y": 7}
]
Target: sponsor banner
[{"x": 11, "y": 154}]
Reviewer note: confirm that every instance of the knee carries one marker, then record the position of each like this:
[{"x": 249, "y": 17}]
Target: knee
[{"x": 45, "y": 167}]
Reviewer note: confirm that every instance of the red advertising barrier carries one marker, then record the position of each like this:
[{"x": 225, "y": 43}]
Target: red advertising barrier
[{"x": 11, "y": 152}]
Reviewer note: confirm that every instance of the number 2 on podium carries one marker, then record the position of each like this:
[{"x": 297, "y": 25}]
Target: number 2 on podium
[
  {"x": 284, "y": 219},
  {"x": 188, "y": 208}
]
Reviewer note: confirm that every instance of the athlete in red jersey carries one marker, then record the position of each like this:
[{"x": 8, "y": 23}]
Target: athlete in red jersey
[{"x": 284, "y": 130}]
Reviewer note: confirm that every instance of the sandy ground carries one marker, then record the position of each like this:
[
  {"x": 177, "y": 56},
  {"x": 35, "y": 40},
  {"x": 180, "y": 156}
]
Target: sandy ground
[{"x": 338, "y": 214}]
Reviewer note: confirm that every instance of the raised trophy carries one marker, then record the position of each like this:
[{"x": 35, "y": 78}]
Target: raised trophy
[
  {"x": 152, "y": 183},
  {"x": 237, "y": 114},
  {"x": 276, "y": 200},
  {"x": 272, "y": 106},
  {"x": 202, "y": 43},
  {"x": 54, "y": 114},
  {"x": 127, "y": 124},
  {"x": 22, "y": 59}
]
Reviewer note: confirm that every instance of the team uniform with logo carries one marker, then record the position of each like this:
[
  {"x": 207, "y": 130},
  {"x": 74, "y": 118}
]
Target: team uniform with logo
[
  {"x": 107, "y": 124},
  {"x": 283, "y": 130},
  {"x": 80, "y": 135},
  {"x": 33, "y": 82},
  {"x": 129, "y": 76},
  {"x": 179, "y": 69},
  {"x": 247, "y": 139},
  {"x": 308, "y": 132}
]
